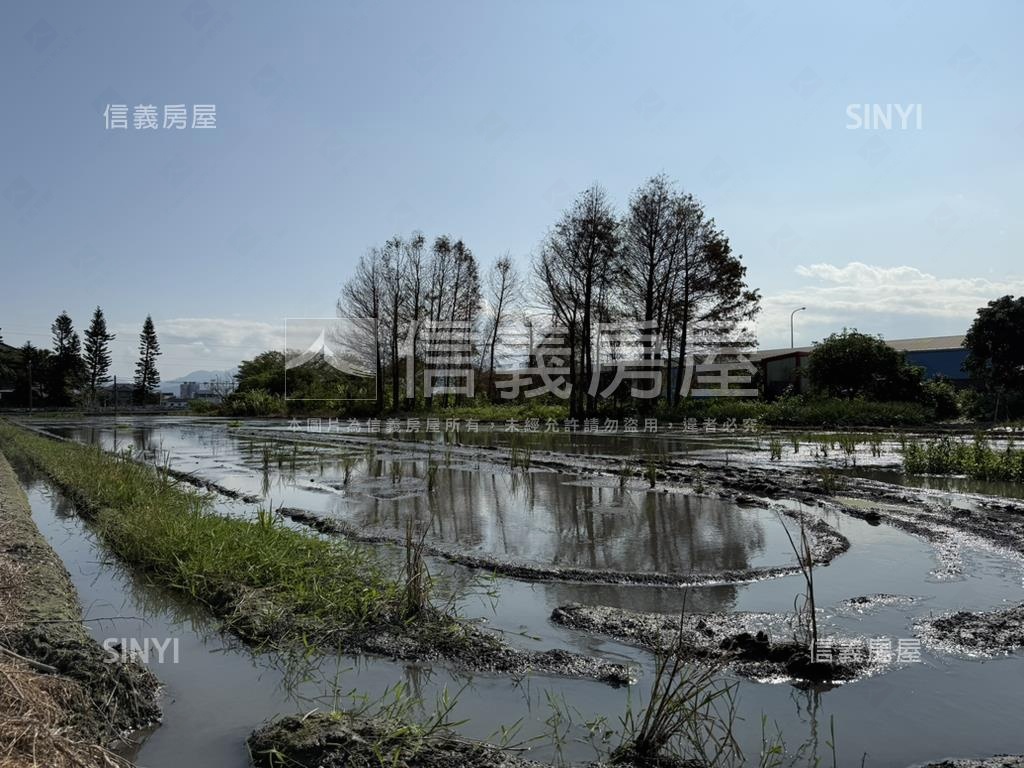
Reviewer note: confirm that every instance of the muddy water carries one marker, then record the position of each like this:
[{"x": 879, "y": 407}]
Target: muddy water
[{"x": 939, "y": 707}]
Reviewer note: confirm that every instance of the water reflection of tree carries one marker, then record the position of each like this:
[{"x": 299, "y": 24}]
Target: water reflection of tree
[{"x": 540, "y": 516}]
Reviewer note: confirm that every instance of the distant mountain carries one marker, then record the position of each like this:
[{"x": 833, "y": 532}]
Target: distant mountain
[{"x": 171, "y": 385}]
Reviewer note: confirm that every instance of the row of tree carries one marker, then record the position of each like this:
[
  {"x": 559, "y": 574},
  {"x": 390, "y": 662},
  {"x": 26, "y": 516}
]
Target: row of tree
[
  {"x": 663, "y": 262},
  {"x": 76, "y": 372}
]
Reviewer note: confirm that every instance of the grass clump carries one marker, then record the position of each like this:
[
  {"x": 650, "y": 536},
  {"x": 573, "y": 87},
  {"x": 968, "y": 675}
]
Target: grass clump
[
  {"x": 688, "y": 719},
  {"x": 976, "y": 459},
  {"x": 830, "y": 481}
]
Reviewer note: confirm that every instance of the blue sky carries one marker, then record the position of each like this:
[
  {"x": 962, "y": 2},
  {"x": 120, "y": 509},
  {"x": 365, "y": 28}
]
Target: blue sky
[{"x": 343, "y": 122}]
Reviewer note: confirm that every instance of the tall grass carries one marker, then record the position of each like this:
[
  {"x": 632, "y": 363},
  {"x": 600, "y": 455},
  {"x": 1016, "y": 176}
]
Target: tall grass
[
  {"x": 977, "y": 459},
  {"x": 416, "y": 581},
  {"x": 520, "y": 457}
]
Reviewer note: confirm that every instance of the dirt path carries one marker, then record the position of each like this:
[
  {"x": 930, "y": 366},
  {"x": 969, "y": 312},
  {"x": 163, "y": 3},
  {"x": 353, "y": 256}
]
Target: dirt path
[{"x": 61, "y": 703}]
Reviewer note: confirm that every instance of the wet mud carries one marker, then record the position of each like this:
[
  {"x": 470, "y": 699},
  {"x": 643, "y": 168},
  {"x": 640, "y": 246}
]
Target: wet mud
[{"x": 755, "y": 645}]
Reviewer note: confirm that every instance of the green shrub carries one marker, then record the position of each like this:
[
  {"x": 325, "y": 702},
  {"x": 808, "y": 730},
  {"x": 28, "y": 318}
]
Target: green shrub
[
  {"x": 941, "y": 397},
  {"x": 253, "y": 402},
  {"x": 202, "y": 407},
  {"x": 836, "y": 412}
]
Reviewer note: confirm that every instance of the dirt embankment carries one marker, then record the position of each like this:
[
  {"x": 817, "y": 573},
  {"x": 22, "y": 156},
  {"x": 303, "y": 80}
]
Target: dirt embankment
[
  {"x": 1000, "y": 761},
  {"x": 342, "y": 740},
  {"x": 61, "y": 703}
]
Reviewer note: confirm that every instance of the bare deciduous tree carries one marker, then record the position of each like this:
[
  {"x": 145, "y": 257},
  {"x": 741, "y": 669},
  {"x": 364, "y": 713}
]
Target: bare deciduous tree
[
  {"x": 361, "y": 299},
  {"x": 574, "y": 268},
  {"x": 416, "y": 270},
  {"x": 678, "y": 271},
  {"x": 504, "y": 286},
  {"x": 393, "y": 274}
]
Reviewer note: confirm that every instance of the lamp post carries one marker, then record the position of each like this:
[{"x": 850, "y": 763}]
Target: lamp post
[{"x": 791, "y": 314}]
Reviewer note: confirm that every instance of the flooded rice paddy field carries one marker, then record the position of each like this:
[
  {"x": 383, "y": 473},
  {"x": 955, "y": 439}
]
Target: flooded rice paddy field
[{"x": 574, "y": 519}]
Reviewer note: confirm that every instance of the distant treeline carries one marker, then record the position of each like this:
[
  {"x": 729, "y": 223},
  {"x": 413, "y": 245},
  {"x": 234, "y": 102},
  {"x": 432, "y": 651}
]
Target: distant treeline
[{"x": 73, "y": 372}]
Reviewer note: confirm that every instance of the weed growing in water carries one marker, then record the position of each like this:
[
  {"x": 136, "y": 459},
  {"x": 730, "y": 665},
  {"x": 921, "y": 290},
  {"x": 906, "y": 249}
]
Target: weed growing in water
[
  {"x": 698, "y": 480},
  {"x": 831, "y": 481},
  {"x": 689, "y": 716},
  {"x": 416, "y": 578},
  {"x": 520, "y": 457},
  {"x": 803, "y": 604},
  {"x": 652, "y": 473}
]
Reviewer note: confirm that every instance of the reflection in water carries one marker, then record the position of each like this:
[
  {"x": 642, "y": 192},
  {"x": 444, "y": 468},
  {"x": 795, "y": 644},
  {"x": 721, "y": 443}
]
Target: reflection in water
[{"x": 538, "y": 516}]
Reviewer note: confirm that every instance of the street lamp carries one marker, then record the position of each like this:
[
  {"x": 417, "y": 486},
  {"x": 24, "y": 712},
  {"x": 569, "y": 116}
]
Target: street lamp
[{"x": 798, "y": 309}]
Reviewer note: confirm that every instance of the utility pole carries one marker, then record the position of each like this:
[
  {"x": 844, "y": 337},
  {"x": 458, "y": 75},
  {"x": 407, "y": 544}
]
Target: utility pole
[{"x": 30, "y": 385}]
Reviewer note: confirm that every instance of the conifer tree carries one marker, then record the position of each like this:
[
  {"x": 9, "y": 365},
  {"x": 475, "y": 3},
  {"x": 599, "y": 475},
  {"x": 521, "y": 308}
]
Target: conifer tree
[
  {"x": 67, "y": 371},
  {"x": 97, "y": 352},
  {"x": 147, "y": 378}
]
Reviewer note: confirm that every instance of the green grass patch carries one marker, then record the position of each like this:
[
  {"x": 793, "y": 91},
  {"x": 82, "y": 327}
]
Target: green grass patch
[{"x": 976, "y": 459}]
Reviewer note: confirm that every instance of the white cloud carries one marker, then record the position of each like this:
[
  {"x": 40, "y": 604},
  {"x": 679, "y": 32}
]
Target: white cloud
[
  {"x": 213, "y": 333},
  {"x": 896, "y": 301},
  {"x": 192, "y": 343}
]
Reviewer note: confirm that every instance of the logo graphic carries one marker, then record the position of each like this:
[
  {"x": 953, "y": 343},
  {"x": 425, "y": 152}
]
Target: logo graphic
[{"x": 330, "y": 358}]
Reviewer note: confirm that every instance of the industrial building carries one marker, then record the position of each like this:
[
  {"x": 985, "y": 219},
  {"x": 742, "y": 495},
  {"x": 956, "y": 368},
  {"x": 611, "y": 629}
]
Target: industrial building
[{"x": 937, "y": 355}]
